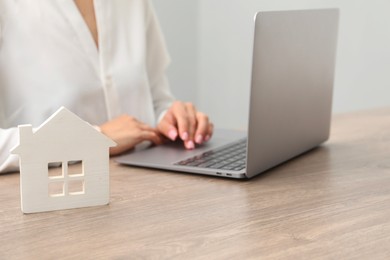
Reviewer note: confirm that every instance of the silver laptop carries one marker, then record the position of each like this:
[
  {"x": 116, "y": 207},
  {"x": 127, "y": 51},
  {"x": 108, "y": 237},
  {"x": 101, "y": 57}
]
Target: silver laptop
[{"x": 290, "y": 101}]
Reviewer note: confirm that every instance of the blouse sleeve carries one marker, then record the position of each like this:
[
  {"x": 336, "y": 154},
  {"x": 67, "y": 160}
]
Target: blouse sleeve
[
  {"x": 8, "y": 140},
  {"x": 8, "y": 137},
  {"x": 157, "y": 61}
]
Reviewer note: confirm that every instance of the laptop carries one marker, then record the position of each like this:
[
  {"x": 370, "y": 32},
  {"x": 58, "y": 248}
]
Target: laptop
[{"x": 290, "y": 102}]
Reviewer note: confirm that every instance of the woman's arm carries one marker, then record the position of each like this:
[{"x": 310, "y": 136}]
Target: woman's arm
[
  {"x": 8, "y": 137},
  {"x": 175, "y": 119}
]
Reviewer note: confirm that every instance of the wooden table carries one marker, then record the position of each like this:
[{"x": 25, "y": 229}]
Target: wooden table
[{"x": 332, "y": 203}]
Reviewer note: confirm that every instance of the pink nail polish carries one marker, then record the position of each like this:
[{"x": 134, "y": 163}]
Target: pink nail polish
[
  {"x": 199, "y": 139},
  {"x": 207, "y": 138},
  {"x": 190, "y": 145},
  {"x": 172, "y": 134},
  {"x": 184, "y": 136}
]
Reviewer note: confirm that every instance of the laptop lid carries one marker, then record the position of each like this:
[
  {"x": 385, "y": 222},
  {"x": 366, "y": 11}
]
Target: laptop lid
[
  {"x": 290, "y": 101},
  {"x": 292, "y": 85}
]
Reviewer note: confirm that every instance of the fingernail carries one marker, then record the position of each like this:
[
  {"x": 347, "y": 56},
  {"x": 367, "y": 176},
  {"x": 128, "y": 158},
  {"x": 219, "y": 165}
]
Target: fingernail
[
  {"x": 172, "y": 134},
  {"x": 184, "y": 136},
  {"x": 199, "y": 139},
  {"x": 207, "y": 138},
  {"x": 190, "y": 145}
]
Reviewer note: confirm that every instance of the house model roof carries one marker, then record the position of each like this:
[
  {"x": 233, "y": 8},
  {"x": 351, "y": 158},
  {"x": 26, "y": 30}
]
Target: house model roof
[{"x": 62, "y": 127}]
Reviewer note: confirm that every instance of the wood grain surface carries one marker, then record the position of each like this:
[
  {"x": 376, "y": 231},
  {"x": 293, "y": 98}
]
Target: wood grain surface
[{"x": 331, "y": 203}]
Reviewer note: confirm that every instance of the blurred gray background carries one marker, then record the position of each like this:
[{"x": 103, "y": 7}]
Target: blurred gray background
[{"x": 210, "y": 42}]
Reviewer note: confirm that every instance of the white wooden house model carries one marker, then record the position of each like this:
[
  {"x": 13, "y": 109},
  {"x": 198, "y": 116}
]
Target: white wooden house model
[{"x": 81, "y": 152}]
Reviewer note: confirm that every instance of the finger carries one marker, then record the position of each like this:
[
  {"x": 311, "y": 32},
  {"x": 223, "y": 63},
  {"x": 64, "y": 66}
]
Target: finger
[
  {"x": 192, "y": 124},
  {"x": 202, "y": 129},
  {"x": 150, "y": 132},
  {"x": 180, "y": 114},
  {"x": 167, "y": 126},
  {"x": 192, "y": 120},
  {"x": 150, "y": 136},
  {"x": 210, "y": 132}
]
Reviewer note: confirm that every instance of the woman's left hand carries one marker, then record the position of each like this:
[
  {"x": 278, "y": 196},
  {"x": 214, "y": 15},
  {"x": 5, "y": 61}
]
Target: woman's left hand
[{"x": 183, "y": 121}]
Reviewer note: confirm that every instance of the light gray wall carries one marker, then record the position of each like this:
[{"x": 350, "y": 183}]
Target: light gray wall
[
  {"x": 179, "y": 22},
  {"x": 212, "y": 52}
]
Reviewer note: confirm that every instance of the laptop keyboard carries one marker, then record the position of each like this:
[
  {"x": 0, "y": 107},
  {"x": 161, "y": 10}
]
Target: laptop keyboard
[{"x": 230, "y": 157}]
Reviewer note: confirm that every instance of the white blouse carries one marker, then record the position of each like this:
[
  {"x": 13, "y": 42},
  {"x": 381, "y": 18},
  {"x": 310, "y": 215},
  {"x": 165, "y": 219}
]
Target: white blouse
[{"x": 48, "y": 59}]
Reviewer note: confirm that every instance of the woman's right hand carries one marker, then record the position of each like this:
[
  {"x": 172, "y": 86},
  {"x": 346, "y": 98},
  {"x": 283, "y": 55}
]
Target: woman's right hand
[{"x": 127, "y": 132}]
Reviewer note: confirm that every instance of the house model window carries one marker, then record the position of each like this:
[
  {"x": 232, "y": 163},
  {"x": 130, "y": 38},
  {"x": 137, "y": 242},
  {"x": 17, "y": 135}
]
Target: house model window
[
  {"x": 64, "y": 164},
  {"x": 67, "y": 179}
]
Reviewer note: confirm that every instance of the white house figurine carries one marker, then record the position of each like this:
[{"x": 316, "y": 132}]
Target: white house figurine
[{"x": 79, "y": 150}]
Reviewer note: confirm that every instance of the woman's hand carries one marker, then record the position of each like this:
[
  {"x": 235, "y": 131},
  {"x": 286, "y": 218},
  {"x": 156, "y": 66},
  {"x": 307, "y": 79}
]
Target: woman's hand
[
  {"x": 127, "y": 132},
  {"x": 184, "y": 121}
]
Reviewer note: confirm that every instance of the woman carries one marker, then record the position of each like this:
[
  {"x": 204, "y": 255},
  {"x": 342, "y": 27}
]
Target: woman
[{"x": 103, "y": 60}]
